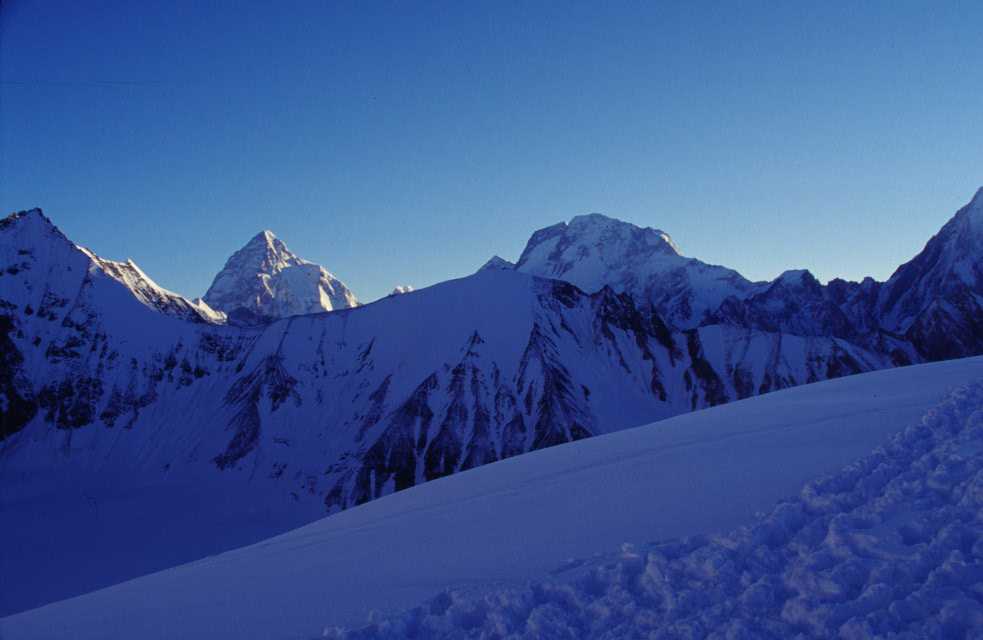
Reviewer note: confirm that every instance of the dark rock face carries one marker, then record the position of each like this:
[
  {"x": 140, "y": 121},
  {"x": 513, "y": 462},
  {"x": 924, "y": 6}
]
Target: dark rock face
[
  {"x": 950, "y": 327},
  {"x": 795, "y": 304},
  {"x": 269, "y": 380},
  {"x": 930, "y": 309},
  {"x": 16, "y": 396},
  {"x": 712, "y": 387},
  {"x": 71, "y": 403},
  {"x": 470, "y": 416},
  {"x": 393, "y": 458}
]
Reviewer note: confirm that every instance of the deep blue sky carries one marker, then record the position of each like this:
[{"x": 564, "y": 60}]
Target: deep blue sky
[{"x": 405, "y": 143}]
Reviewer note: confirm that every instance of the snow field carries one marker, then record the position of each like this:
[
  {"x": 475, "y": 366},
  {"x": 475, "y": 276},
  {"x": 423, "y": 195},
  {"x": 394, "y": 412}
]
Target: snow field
[{"x": 889, "y": 547}]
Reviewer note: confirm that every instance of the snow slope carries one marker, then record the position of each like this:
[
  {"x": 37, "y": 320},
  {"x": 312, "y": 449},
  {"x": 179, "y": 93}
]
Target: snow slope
[
  {"x": 889, "y": 547},
  {"x": 525, "y": 518},
  {"x": 309, "y": 414}
]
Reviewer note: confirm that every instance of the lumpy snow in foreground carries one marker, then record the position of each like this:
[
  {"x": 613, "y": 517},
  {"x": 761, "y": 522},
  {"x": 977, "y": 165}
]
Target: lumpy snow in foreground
[{"x": 891, "y": 546}]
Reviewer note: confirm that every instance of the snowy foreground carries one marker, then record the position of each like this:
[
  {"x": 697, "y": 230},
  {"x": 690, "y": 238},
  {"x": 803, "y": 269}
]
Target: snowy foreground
[
  {"x": 891, "y": 546},
  {"x": 890, "y": 543}
]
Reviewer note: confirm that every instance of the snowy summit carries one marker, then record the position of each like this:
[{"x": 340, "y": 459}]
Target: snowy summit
[
  {"x": 497, "y": 262},
  {"x": 593, "y": 250},
  {"x": 265, "y": 280}
]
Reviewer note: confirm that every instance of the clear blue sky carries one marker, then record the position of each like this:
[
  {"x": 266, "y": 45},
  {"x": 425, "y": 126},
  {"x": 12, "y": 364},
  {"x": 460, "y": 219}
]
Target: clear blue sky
[{"x": 405, "y": 143}]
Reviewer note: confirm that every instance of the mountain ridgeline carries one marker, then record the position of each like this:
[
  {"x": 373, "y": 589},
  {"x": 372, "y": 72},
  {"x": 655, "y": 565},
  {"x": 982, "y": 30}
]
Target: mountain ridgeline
[
  {"x": 599, "y": 326},
  {"x": 928, "y": 310}
]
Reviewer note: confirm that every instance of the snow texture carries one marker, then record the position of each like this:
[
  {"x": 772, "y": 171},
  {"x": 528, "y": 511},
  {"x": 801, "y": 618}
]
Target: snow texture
[
  {"x": 492, "y": 528},
  {"x": 889, "y": 547}
]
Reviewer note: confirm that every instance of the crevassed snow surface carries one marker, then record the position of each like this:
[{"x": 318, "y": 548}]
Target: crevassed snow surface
[
  {"x": 891, "y": 546},
  {"x": 523, "y": 518}
]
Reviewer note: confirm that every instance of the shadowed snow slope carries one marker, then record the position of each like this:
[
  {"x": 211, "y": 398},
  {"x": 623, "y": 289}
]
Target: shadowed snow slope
[
  {"x": 889, "y": 547},
  {"x": 516, "y": 520}
]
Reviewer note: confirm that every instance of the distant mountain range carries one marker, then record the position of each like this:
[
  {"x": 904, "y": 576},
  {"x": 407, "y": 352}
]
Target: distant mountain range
[
  {"x": 928, "y": 310},
  {"x": 281, "y": 378}
]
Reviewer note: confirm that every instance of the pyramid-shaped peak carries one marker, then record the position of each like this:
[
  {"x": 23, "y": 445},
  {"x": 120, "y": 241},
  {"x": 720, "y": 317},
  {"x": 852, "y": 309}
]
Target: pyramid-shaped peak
[
  {"x": 497, "y": 262},
  {"x": 35, "y": 216},
  {"x": 265, "y": 236},
  {"x": 266, "y": 280},
  {"x": 31, "y": 226}
]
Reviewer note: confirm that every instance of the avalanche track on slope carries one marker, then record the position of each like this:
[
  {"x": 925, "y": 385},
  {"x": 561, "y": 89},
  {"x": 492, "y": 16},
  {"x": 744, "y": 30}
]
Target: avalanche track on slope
[{"x": 451, "y": 540}]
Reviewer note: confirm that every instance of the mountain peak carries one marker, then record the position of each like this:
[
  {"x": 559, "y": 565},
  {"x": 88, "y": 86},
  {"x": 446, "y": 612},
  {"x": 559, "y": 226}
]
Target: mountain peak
[
  {"x": 796, "y": 277},
  {"x": 975, "y": 209},
  {"x": 33, "y": 227},
  {"x": 28, "y": 216},
  {"x": 595, "y": 250},
  {"x": 949, "y": 267},
  {"x": 605, "y": 224},
  {"x": 977, "y": 201},
  {"x": 265, "y": 279},
  {"x": 586, "y": 219},
  {"x": 266, "y": 243},
  {"x": 36, "y": 212},
  {"x": 497, "y": 262},
  {"x": 968, "y": 220},
  {"x": 264, "y": 237}
]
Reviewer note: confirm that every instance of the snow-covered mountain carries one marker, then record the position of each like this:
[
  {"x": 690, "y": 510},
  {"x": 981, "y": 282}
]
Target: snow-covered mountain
[
  {"x": 625, "y": 536},
  {"x": 400, "y": 289},
  {"x": 330, "y": 410},
  {"x": 936, "y": 299},
  {"x": 32, "y": 244},
  {"x": 930, "y": 309},
  {"x": 594, "y": 251},
  {"x": 497, "y": 262},
  {"x": 264, "y": 280},
  {"x": 103, "y": 373},
  {"x": 409, "y": 388}
]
